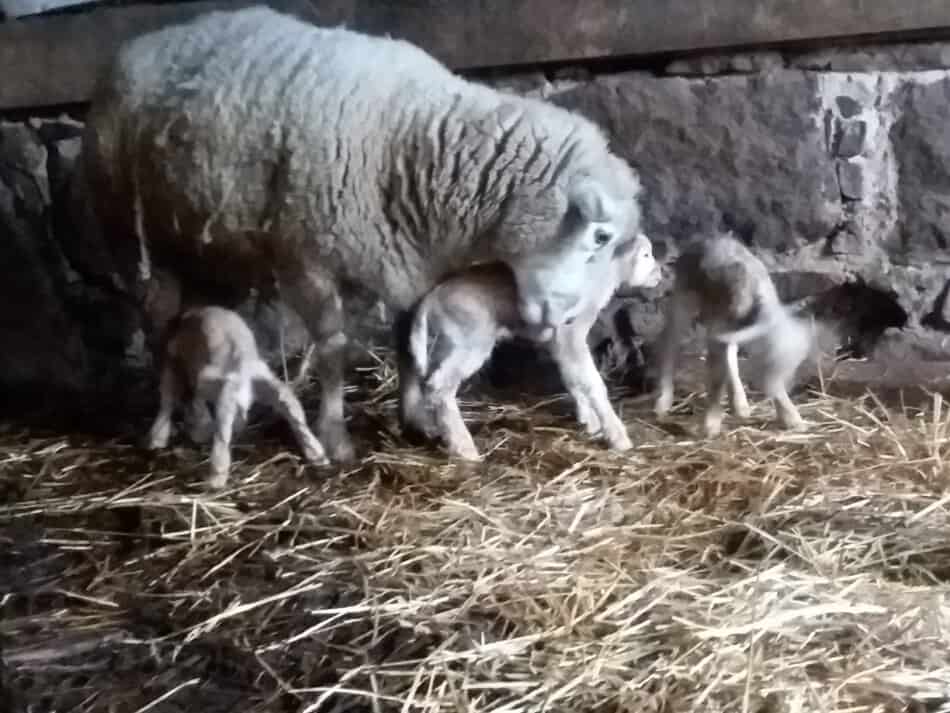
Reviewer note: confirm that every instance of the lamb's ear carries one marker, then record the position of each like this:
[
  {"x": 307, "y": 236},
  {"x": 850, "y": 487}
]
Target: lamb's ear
[
  {"x": 588, "y": 197},
  {"x": 624, "y": 249}
]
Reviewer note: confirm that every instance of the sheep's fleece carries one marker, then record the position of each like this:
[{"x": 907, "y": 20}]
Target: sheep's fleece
[
  {"x": 249, "y": 144},
  {"x": 252, "y": 134}
]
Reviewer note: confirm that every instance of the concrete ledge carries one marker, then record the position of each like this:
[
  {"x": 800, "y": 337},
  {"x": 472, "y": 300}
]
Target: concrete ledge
[{"x": 54, "y": 60}]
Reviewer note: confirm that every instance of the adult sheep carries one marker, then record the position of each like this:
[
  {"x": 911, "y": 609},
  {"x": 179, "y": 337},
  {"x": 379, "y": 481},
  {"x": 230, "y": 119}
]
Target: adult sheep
[{"x": 250, "y": 144}]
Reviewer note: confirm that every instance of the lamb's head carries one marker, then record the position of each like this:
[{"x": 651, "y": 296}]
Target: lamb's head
[
  {"x": 595, "y": 212},
  {"x": 637, "y": 266}
]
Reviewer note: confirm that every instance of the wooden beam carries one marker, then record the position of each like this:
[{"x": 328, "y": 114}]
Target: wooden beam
[{"x": 54, "y": 60}]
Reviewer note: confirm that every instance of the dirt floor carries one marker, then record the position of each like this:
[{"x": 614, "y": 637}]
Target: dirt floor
[{"x": 761, "y": 571}]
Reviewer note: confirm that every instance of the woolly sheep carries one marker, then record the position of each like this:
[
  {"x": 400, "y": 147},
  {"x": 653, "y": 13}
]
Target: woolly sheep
[
  {"x": 211, "y": 357},
  {"x": 468, "y": 313},
  {"x": 249, "y": 144},
  {"x": 731, "y": 290}
]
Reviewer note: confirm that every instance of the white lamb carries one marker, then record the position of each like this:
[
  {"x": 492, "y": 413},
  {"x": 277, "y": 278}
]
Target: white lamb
[
  {"x": 249, "y": 144},
  {"x": 211, "y": 356},
  {"x": 731, "y": 291},
  {"x": 471, "y": 311}
]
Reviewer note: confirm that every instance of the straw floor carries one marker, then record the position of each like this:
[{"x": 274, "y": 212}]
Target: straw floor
[{"x": 761, "y": 571}]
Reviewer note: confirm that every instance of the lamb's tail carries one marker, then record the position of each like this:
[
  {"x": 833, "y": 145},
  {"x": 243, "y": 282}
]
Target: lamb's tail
[{"x": 419, "y": 338}]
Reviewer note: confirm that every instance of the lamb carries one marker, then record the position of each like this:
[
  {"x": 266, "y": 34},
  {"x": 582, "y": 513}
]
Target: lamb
[
  {"x": 468, "y": 313},
  {"x": 211, "y": 356},
  {"x": 249, "y": 145},
  {"x": 731, "y": 290}
]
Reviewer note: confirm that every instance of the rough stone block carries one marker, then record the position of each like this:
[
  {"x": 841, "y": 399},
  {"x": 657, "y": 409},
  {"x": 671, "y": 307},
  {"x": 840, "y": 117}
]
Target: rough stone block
[
  {"x": 848, "y": 106},
  {"x": 851, "y": 179},
  {"x": 849, "y": 138},
  {"x": 921, "y": 144},
  {"x": 746, "y": 152}
]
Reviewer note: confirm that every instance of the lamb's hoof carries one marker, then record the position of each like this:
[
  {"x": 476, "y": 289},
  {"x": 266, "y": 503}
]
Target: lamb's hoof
[
  {"x": 314, "y": 454},
  {"x": 216, "y": 480},
  {"x": 742, "y": 411},
  {"x": 796, "y": 426},
  {"x": 155, "y": 443},
  {"x": 470, "y": 455},
  {"x": 712, "y": 427},
  {"x": 663, "y": 405},
  {"x": 338, "y": 447},
  {"x": 619, "y": 442}
]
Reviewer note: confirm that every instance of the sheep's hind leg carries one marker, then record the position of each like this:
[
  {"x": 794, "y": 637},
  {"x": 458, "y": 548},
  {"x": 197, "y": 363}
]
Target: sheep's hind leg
[
  {"x": 314, "y": 296},
  {"x": 282, "y": 399}
]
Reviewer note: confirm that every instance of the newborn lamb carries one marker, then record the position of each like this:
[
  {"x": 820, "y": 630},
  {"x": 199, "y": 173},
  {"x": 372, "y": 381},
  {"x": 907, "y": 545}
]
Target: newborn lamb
[
  {"x": 471, "y": 311},
  {"x": 211, "y": 356},
  {"x": 735, "y": 298}
]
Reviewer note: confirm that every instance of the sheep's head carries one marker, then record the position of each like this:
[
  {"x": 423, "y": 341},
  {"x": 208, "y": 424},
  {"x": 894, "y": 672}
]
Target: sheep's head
[{"x": 595, "y": 213}]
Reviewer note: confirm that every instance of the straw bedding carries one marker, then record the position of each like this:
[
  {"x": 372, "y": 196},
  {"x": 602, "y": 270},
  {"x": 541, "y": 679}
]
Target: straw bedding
[{"x": 761, "y": 571}]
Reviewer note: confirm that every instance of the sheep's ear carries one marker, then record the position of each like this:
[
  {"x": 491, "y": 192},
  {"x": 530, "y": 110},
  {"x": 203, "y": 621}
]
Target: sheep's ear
[{"x": 589, "y": 199}]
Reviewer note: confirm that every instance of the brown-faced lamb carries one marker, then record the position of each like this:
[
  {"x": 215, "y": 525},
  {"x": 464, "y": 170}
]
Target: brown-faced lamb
[
  {"x": 211, "y": 356},
  {"x": 470, "y": 312},
  {"x": 248, "y": 145},
  {"x": 731, "y": 291}
]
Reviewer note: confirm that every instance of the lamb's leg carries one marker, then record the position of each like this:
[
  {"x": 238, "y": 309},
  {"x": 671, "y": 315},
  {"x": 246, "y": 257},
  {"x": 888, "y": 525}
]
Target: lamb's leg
[
  {"x": 199, "y": 422},
  {"x": 413, "y": 418},
  {"x": 170, "y": 391},
  {"x": 785, "y": 408},
  {"x": 314, "y": 296},
  {"x": 737, "y": 395},
  {"x": 667, "y": 348},
  {"x": 234, "y": 401},
  {"x": 441, "y": 389},
  {"x": 585, "y": 384},
  {"x": 585, "y": 414},
  {"x": 716, "y": 381},
  {"x": 282, "y": 399}
]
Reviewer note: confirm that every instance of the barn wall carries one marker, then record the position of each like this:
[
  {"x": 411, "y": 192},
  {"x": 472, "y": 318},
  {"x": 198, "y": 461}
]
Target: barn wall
[{"x": 834, "y": 162}]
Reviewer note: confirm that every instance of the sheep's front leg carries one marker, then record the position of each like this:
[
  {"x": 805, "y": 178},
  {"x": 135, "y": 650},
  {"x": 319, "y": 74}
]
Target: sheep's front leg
[
  {"x": 441, "y": 394},
  {"x": 586, "y": 415},
  {"x": 282, "y": 399},
  {"x": 170, "y": 392},
  {"x": 667, "y": 348},
  {"x": 585, "y": 384},
  {"x": 234, "y": 401},
  {"x": 716, "y": 378},
  {"x": 314, "y": 296},
  {"x": 737, "y": 395}
]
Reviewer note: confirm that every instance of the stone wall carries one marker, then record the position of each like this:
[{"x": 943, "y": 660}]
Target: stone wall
[{"x": 834, "y": 165}]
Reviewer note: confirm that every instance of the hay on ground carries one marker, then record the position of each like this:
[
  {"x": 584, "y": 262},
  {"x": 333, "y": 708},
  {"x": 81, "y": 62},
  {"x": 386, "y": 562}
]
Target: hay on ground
[{"x": 761, "y": 571}]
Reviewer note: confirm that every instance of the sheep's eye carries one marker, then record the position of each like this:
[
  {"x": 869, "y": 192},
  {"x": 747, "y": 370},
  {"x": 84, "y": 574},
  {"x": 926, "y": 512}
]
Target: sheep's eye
[{"x": 601, "y": 237}]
